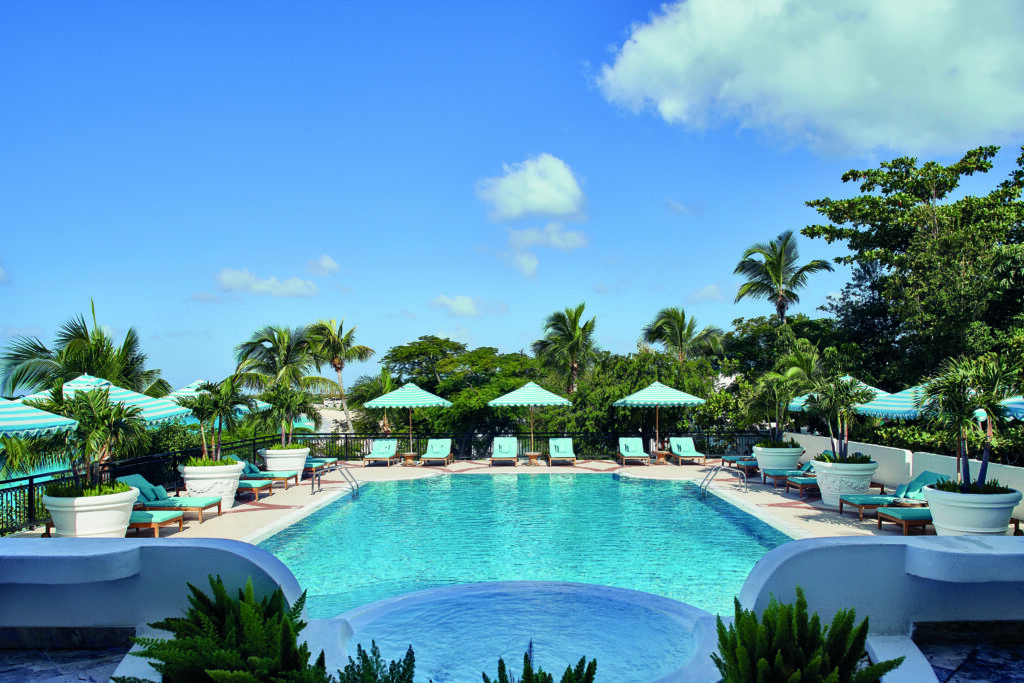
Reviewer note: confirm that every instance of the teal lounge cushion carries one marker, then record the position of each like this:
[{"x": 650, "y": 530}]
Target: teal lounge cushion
[
  {"x": 901, "y": 491},
  {"x": 868, "y": 499},
  {"x": 802, "y": 480},
  {"x": 735, "y": 458},
  {"x": 153, "y": 516},
  {"x": 272, "y": 475},
  {"x": 783, "y": 473},
  {"x": 139, "y": 482},
  {"x": 186, "y": 502},
  {"x": 908, "y": 514},
  {"x": 249, "y": 484},
  {"x": 160, "y": 493}
]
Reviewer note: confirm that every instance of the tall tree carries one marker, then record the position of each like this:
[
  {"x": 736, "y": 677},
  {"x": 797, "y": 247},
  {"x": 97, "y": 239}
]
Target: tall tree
[
  {"x": 678, "y": 333},
  {"x": 776, "y": 275},
  {"x": 279, "y": 356},
  {"x": 334, "y": 345},
  {"x": 568, "y": 344},
  {"x": 226, "y": 403},
  {"x": 29, "y": 365}
]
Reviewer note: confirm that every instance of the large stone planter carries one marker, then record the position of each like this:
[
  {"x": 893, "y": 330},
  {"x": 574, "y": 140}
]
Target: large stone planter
[
  {"x": 219, "y": 480},
  {"x": 778, "y": 458},
  {"x": 91, "y": 516},
  {"x": 957, "y": 514},
  {"x": 285, "y": 460},
  {"x": 837, "y": 479}
]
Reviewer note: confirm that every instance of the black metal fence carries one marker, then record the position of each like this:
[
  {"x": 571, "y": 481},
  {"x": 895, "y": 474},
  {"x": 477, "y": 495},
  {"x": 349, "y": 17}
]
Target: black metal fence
[{"x": 21, "y": 505}]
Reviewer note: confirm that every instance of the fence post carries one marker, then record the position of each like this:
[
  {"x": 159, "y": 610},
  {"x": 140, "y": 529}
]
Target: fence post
[{"x": 31, "y": 502}]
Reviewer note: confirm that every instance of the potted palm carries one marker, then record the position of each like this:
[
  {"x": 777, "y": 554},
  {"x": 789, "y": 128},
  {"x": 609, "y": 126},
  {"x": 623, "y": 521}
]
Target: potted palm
[
  {"x": 209, "y": 475},
  {"x": 774, "y": 391},
  {"x": 86, "y": 507},
  {"x": 286, "y": 405},
  {"x": 840, "y": 473},
  {"x": 956, "y": 400}
]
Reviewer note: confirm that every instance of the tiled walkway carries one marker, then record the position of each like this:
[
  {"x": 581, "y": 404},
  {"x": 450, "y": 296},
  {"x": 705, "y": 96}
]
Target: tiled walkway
[{"x": 59, "y": 666}]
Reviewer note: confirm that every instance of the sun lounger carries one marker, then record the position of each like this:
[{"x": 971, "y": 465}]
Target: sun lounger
[
  {"x": 156, "y": 498},
  {"x": 140, "y": 519},
  {"x": 506, "y": 448},
  {"x": 383, "y": 449},
  {"x": 804, "y": 470},
  {"x": 255, "y": 487},
  {"x": 319, "y": 465},
  {"x": 254, "y": 473},
  {"x": 905, "y": 517},
  {"x": 914, "y": 490},
  {"x": 748, "y": 466},
  {"x": 801, "y": 483},
  {"x": 731, "y": 460},
  {"x": 682, "y": 448},
  {"x": 438, "y": 449},
  {"x": 560, "y": 449},
  {"x": 632, "y": 448}
]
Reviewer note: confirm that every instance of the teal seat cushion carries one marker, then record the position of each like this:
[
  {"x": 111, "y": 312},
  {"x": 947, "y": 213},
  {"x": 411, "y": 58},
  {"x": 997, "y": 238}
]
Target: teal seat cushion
[
  {"x": 138, "y": 481},
  {"x": 783, "y": 473},
  {"x": 186, "y": 502},
  {"x": 907, "y": 514},
  {"x": 249, "y": 484},
  {"x": 272, "y": 475},
  {"x": 153, "y": 516},
  {"x": 160, "y": 493},
  {"x": 868, "y": 499},
  {"x": 802, "y": 480},
  {"x": 735, "y": 458},
  {"x": 901, "y": 491}
]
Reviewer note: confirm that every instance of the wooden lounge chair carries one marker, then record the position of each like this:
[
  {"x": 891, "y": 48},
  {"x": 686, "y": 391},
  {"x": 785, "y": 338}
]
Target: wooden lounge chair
[
  {"x": 682, "y": 448},
  {"x": 632, "y": 448},
  {"x": 561, "y": 449},
  {"x": 319, "y": 465},
  {"x": 438, "y": 449},
  {"x": 731, "y": 460},
  {"x": 506, "y": 448},
  {"x": 383, "y": 449},
  {"x": 906, "y": 517},
  {"x": 254, "y": 473},
  {"x": 156, "y": 498},
  {"x": 748, "y": 466},
  {"x": 140, "y": 519},
  {"x": 914, "y": 490},
  {"x": 801, "y": 483},
  {"x": 775, "y": 475},
  {"x": 255, "y": 487}
]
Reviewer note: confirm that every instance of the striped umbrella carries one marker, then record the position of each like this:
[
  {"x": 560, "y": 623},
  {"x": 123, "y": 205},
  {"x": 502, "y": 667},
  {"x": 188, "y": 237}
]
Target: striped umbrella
[
  {"x": 20, "y": 420},
  {"x": 798, "y": 403},
  {"x": 1015, "y": 407},
  {"x": 529, "y": 394},
  {"x": 658, "y": 395},
  {"x": 154, "y": 410},
  {"x": 191, "y": 390},
  {"x": 410, "y": 396},
  {"x": 901, "y": 405}
]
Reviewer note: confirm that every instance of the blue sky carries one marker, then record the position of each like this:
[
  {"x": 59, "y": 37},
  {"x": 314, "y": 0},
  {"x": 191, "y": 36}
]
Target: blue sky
[{"x": 463, "y": 169}]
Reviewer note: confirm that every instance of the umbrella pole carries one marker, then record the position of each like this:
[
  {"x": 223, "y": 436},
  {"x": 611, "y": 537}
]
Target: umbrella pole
[
  {"x": 531, "y": 429},
  {"x": 410, "y": 430},
  {"x": 657, "y": 438}
]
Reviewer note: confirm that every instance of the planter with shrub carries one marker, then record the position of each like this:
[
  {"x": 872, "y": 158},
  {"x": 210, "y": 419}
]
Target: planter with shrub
[
  {"x": 288, "y": 458},
  {"x": 778, "y": 455},
  {"x": 840, "y": 475},
  {"x": 100, "y": 511},
  {"x": 981, "y": 510}
]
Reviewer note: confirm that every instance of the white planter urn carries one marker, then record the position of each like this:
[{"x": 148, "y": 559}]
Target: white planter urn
[
  {"x": 219, "y": 480},
  {"x": 285, "y": 460},
  {"x": 778, "y": 458},
  {"x": 837, "y": 479},
  {"x": 958, "y": 514},
  {"x": 91, "y": 516}
]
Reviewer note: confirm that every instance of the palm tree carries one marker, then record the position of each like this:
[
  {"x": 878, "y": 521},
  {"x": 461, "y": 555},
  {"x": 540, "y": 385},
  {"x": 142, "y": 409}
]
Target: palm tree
[
  {"x": 678, "y": 333},
  {"x": 29, "y": 365},
  {"x": 834, "y": 398},
  {"x": 776, "y": 275},
  {"x": 369, "y": 388},
  {"x": 287, "y": 404},
  {"x": 770, "y": 398},
  {"x": 202, "y": 409},
  {"x": 568, "y": 344},
  {"x": 278, "y": 356},
  {"x": 226, "y": 402},
  {"x": 949, "y": 401},
  {"x": 996, "y": 380},
  {"x": 337, "y": 347}
]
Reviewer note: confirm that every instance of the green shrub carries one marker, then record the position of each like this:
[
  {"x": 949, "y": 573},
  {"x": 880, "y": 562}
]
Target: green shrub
[
  {"x": 205, "y": 462},
  {"x": 286, "y": 447},
  {"x": 772, "y": 443},
  {"x": 73, "y": 490},
  {"x": 850, "y": 459},
  {"x": 786, "y": 646},
  {"x": 991, "y": 486},
  {"x": 233, "y": 640},
  {"x": 583, "y": 673},
  {"x": 370, "y": 668}
]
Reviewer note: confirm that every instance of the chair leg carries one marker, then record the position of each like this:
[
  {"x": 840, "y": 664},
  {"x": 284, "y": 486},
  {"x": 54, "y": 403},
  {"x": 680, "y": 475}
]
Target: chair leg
[{"x": 156, "y": 531}]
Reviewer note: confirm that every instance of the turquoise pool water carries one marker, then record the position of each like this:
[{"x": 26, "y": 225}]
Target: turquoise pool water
[{"x": 396, "y": 537}]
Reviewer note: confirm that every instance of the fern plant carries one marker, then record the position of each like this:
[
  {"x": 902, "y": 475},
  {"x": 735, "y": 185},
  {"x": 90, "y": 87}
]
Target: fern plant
[
  {"x": 583, "y": 673},
  {"x": 233, "y": 640},
  {"x": 370, "y": 667},
  {"x": 787, "y": 646}
]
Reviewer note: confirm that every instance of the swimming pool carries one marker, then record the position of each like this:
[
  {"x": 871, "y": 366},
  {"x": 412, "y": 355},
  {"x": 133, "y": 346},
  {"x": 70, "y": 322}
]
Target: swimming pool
[{"x": 402, "y": 536}]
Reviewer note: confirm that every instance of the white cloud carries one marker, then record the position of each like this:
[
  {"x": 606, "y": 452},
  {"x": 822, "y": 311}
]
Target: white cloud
[
  {"x": 844, "y": 75},
  {"x": 30, "y": 331},
  {"x": 232, "y": 280},
  {"x": 553, "y": 235},
  {"x": 206, "y": 297},
  {"x": 462, "y": 306},
  {"x": 677, "y": 207},
  {"x": 525, "y": 262},
  {"x": 705, "y": 294},
  {"x": 543, "y": 185},
  {"x": 5, "y": 279},
  {"x": 324, "y": 265}
]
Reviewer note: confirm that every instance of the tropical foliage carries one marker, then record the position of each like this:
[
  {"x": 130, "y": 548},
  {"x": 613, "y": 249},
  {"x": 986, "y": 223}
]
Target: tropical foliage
[
  {"x": 335, "y": 345},
  {"x": 678, "y": 333},
  {"x": 568, "y": 345},
  {"x": 280, "y": 356},
  {"x": 772, "y": 272}
]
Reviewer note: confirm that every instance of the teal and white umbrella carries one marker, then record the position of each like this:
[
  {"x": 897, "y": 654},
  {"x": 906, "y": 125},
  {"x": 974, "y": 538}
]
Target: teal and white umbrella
[
  {"x": 409, "y": 396},
  {"x": 797, "y": 404},
  {"x": 529, "y": 394},
  {"x": 1014, "y": 407},
  {"x": 902, "y": 405},
  {"x": 22, "y": 421},
  {"x": 192, "y": 390},
  {"x": 154, "y": 410},
  {"x": 658, "y": 395}
]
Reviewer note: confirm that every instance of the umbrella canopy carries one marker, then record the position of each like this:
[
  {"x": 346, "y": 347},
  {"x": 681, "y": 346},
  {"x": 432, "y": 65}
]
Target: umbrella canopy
[
  {"x": 154, "y": 410},
  {"x": 409, "y": 396},
  {"x": 191, "y": 390},
  {"x": 901, "y": 405},
  {"x": 658, "y": 395},
  {"x": 529, "y": 394},
  {"x": 798, "y": 403},
  {"x": 1015, "y": 407},
  {"x": 17, "y": 419}
]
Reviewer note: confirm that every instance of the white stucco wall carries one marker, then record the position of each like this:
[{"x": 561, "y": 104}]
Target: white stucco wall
[
  {"x": 894, "y": 467},
  {"x": 946, "y": 464}
]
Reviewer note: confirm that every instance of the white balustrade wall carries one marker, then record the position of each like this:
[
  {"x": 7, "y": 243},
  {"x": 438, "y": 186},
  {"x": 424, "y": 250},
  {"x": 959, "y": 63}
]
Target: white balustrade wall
[{"x": 894, "y": 464}]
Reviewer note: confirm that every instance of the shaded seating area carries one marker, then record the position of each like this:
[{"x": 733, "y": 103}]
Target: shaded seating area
[
  {"x": 156, "y": 498},
  {"x": 438, "y": 449},
  {"x": 385, "y": 450},
  {"x": 560, "y": 449},
  {"x": 912, "y": 490},
  {"x": 251, "y": 472},
  {"x": 682, "y": 448},
  {"x": 506, "y": 448},
  {"x": 805, "y": 470},
  {"x": 632, "y": 448}
]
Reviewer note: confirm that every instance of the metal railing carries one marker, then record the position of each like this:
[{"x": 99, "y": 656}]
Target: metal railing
[{"x": 21, "y": 504}]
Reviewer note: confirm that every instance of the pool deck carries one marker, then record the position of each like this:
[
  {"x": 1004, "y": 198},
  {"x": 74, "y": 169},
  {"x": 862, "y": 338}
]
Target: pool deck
[{"x": 253, "y": 521}]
